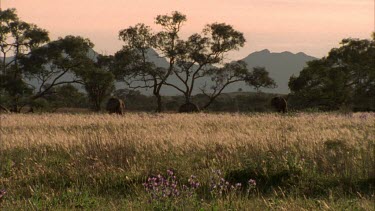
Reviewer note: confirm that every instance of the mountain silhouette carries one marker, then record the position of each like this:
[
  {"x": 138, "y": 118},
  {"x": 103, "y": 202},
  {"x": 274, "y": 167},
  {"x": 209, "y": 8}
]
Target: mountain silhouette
[{"x": 280, "y": 66}]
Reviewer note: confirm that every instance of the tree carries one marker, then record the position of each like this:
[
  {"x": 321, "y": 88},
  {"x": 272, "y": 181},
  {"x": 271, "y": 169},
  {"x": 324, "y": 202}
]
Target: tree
[
  {"x": 66, "y": 61},
  {"x": 137, "y": 42},
  {"x": 197, "y": 56},
  {"x": 346, "y": 77},
  {"x": 132, "y": 64},
  {"x": 98, "y": 84},
  {"x": 66, "y": 96},
  {"x": 50, "y": 64},
  {"x": 188, "y": 60},
  {"x": 232, "y": 73},
  {"x": 63, "y": 96},
  {"x": 167, "y": 42},
  {"x": 98, "y": 80},
  {"x": 17, "y": 39},
  {"x": 260, "y": 78}
]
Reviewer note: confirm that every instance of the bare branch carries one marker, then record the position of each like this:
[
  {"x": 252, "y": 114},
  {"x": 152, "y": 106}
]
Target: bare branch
[{"x": 174, "y": 86}]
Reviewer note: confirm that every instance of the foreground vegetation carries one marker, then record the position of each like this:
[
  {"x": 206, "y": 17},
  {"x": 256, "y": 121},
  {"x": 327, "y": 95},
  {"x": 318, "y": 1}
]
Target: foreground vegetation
[{"x": 180, "y": 161}]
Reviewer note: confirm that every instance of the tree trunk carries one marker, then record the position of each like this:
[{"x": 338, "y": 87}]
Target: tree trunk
[
  {"x": 187, "y": 98},
  {"x": 212, "y": 99},
  {"x": 97, "y": 107},
  {"x": 159, "y": 103}
]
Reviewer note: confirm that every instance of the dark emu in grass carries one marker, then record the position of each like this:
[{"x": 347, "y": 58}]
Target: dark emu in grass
[
  {"x": 280, "y": 104},
  {"x": 115, "y": 106}
]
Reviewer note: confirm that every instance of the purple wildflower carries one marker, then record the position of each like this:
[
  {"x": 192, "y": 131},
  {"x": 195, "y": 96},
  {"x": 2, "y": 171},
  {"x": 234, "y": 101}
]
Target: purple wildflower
[
  {"x": 363, "y": 116},
  {"x": 161, "y": 188},
  {"x": 170, "y": 172},
  {"x": 2, "y": 193},
  {"x": 252, "y": 182}
]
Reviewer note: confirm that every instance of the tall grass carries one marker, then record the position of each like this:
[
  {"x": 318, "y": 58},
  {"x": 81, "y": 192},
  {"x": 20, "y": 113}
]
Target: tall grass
[{"x": 95, "y": 161}]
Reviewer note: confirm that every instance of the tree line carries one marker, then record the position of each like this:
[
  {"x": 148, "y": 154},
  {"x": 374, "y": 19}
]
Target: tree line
[
  {"x": 35, "y": 57},
  {"x": 345, "y": 77}
]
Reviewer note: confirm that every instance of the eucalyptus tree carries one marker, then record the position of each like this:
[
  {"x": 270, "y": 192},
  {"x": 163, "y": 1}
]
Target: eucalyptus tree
[
  {"x": 27, "y": 55},
  {"x": 97, "y": 80},
  {"x": 260, "y": 78},
  {"x": 17, "y": 39},
  {"x": 67, "y": 61},
  {"x": 200, "y": 57},
  {"x": 200, "y": 52},
  {"x": 50, "y": 64},
  {"x": 231, "y": 73},
  {"x": 344, "y": 78},
  {"x": 188, "y": 60},
  {"x": 132, "y": 62}
]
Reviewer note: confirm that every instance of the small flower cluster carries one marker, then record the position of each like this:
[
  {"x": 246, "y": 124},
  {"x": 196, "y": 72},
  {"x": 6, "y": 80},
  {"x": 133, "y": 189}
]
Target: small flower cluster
[
  {"x": 2, "y": 193},
  {"x": 363, "y": 116},
  {"x": 161, "y": 187},
  {"x": 193, "y": 182},
  {"x": 219, "y": 186},
  {"x": 252, "y": 185}
]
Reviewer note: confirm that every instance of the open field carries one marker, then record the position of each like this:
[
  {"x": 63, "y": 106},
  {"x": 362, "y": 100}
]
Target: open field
[{"x": 245, "y": 162}]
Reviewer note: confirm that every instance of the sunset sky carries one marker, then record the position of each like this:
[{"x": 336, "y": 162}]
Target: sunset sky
[{"x": 310, "y": 26}]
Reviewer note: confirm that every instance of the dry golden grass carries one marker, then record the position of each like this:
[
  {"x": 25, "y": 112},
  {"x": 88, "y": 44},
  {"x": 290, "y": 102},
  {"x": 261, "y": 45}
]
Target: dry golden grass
[
  {"x": 184, "y": 130},
  {"x": 108, "y": 157}
]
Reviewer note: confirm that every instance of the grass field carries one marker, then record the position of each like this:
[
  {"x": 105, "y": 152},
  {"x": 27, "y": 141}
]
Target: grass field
[{"x": 203, "y": 161}]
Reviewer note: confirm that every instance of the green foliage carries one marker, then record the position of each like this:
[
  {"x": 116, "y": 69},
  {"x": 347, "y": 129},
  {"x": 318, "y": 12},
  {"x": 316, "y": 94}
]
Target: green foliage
[
  {"x": 171, "y": 22},
  {"x": 64, "y": 55},
  {"x": 47, "y": 64},
  {"x": 223, "y": 38},
  {"x": 346, "y": 77},
  {"x": 260, "y": 78},
  {"x": 131, "y": 64},
  {"x": 232, "y": 73},
  {"x": 64, "y": 96},
  {"x": 196, "y": 57},
  {"x": 98, "y": 84},
  {"x": 14, "y": 86},
  {"x": 31, "y": 60},
  {"x": 50, "y": 64},
  {"x": 17, "y": 38}
]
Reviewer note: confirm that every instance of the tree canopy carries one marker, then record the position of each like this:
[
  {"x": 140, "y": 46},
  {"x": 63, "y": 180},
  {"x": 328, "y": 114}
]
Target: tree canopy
[
  {"x": 28, "y": 55},
  {"x": 345, "y": 78},
  {"x": 188, "y": 60},
  {"x": 17, "y": 39}
]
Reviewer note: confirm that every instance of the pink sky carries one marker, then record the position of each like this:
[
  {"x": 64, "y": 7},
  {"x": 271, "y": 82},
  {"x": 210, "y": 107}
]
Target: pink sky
[{"x": 310, "y": 26}]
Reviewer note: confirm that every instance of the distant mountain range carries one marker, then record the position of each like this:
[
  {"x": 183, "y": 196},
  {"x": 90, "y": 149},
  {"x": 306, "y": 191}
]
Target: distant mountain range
[{"x": 280, "y": 66}]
